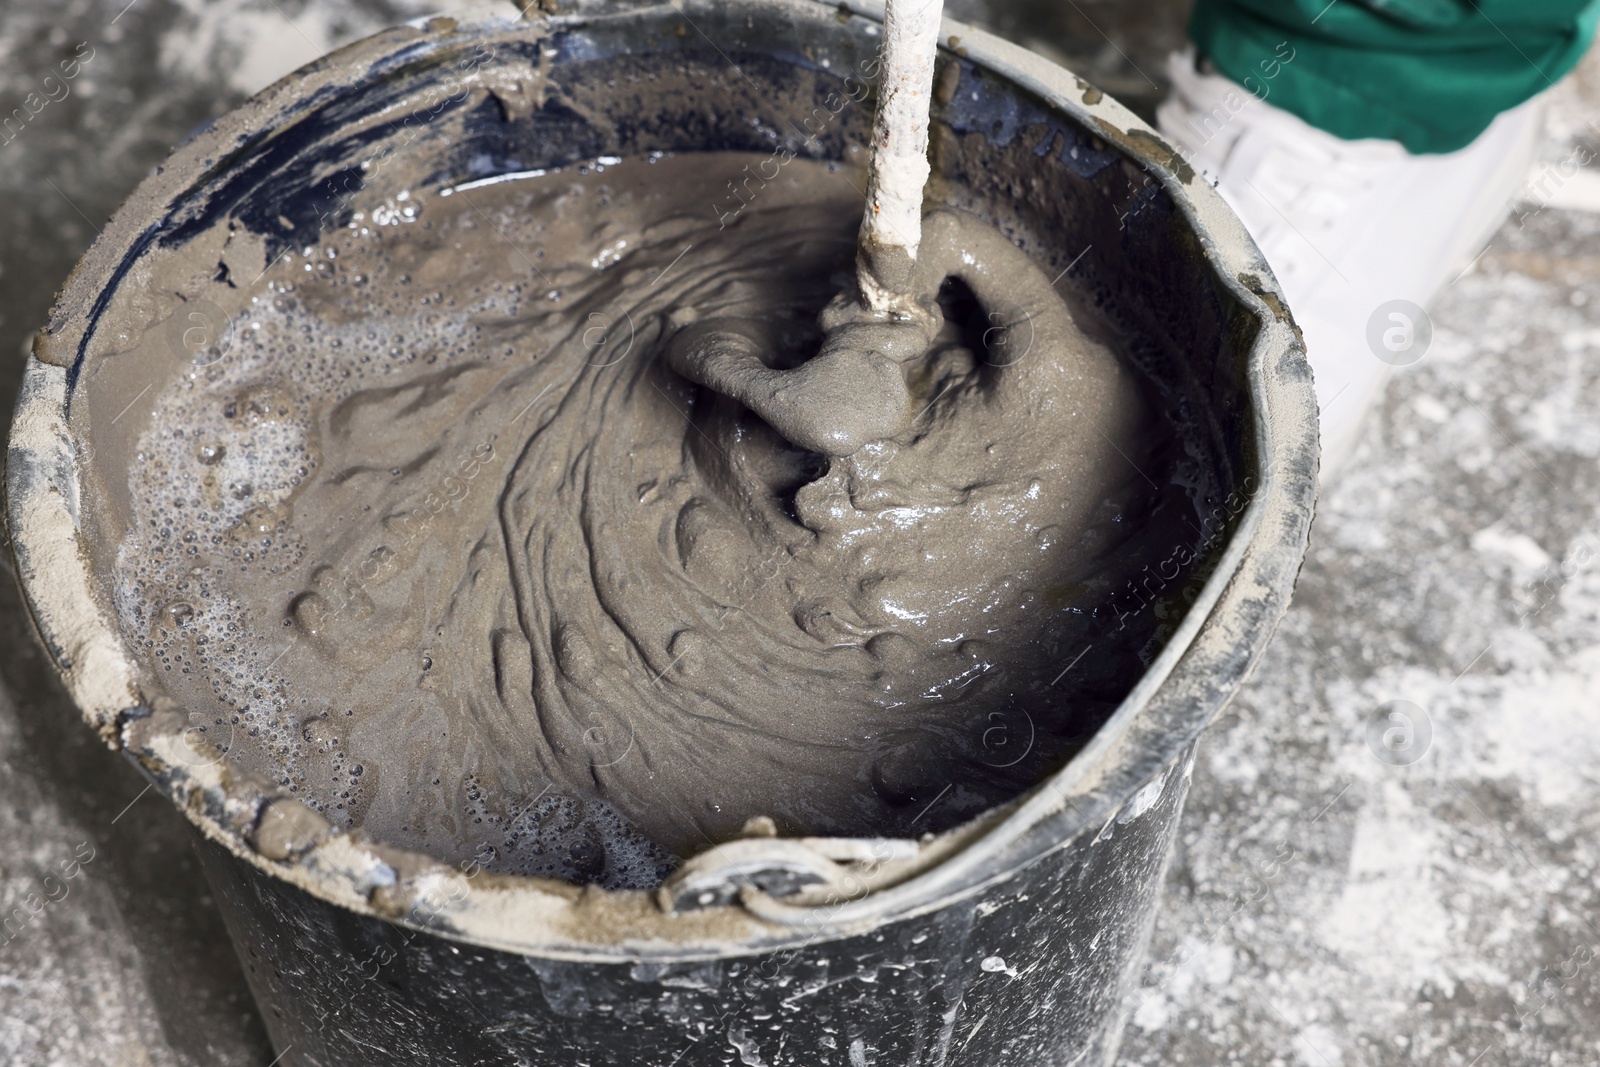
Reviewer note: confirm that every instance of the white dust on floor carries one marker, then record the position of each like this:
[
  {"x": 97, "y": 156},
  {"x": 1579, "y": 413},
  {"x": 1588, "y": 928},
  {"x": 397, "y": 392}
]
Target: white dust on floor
[{"x": 1436, "y": 906}]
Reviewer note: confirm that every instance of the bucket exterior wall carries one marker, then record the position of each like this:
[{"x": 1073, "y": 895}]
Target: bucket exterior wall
[
  {"x": 1030, "y": 971},
  {"x": 1011, "y": 940}
]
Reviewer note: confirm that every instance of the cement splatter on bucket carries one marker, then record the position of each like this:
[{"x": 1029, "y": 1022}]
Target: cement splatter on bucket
[{"x": 1007, "y": 938}]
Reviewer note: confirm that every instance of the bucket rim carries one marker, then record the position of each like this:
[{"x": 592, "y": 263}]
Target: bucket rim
[{"x": 1135, "y": 751}]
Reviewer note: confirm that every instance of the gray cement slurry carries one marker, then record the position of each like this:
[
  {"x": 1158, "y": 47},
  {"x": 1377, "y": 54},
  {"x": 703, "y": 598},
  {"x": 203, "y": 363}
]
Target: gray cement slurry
[{"x": 1326, "y": 907}]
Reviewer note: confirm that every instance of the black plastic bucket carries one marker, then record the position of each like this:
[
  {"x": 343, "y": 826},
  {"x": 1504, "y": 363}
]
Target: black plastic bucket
[{"x": 1008, "y": 940}]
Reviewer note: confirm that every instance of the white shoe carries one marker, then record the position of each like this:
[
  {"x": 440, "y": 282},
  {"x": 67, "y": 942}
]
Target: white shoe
[{"x": 1362, "y": 235}]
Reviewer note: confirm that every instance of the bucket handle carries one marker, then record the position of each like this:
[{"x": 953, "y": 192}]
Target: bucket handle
[{"x": 779, "y": 867}]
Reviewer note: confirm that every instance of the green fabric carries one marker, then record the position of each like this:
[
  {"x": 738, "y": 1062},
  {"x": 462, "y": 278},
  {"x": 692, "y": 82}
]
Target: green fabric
[{"x": 1431, "y": 74}]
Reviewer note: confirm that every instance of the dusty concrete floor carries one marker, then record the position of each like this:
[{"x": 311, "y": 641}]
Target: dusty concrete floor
[
  {"x": 1444, "y": 911},
  {"x": 1324, "y": 907}
]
